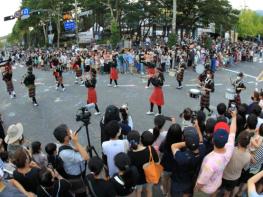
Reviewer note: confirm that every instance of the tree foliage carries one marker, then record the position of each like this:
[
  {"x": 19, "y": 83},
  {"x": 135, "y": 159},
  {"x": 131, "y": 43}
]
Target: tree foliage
[
  {"x": 140, "y": 17},
  {"x": 250, "y": 24}
]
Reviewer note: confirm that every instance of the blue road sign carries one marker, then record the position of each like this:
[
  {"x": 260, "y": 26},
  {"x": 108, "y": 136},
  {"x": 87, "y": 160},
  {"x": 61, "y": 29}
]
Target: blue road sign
[
  {"x": 25, "y": 12},
  {"x": 69, "y": 25}
]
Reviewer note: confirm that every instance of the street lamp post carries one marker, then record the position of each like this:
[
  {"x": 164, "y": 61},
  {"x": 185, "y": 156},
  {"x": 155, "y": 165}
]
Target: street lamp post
[
  {"x": 77, "y": 26},
  {"x": 174, "y": 17}
]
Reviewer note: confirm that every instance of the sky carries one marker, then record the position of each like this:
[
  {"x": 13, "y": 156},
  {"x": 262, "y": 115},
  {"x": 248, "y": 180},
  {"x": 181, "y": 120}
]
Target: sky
[{"x": 8, "y": 7}]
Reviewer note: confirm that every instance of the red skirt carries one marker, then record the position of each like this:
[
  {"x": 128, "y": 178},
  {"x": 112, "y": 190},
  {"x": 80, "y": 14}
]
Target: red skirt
[
  {"x": 113, "y": 74},
  {"x": 92, "y": 95},
  {"x": 151, "y": 71},
  {"x": 157, "y": 97}
]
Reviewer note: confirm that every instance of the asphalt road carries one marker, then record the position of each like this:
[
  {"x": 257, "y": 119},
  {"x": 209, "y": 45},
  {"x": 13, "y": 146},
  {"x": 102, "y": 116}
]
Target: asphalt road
[{"x": 56, "y": 107}]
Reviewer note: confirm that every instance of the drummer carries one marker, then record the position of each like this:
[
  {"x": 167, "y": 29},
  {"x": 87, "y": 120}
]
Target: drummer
[
  {"x": 202, "y": 77},
  {"x": 180, "y": 75},
  {"x": 239, "y": 86},
  {"x": 207, "y": 87}
]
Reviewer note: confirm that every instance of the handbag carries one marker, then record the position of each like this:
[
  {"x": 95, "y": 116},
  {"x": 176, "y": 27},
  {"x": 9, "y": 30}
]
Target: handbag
[{"x": 152, "y": 170}]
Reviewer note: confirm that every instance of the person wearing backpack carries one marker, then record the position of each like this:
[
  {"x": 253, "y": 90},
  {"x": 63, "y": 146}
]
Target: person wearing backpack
[{"x": 73, "y": 159}]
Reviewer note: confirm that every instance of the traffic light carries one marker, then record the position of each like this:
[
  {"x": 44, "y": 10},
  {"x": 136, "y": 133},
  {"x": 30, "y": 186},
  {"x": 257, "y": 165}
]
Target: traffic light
[{"x": 8, "y": 18}]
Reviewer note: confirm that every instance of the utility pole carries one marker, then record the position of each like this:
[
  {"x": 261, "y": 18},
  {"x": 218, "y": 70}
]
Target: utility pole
[
  {"x": 174, "y": 17},
  {"x": 77, "y": 26}
]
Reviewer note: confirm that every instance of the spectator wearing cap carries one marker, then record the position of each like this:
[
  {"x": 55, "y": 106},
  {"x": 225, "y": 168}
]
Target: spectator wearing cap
[
  {"x": 113, "y": 146},
  {"x": 240, "y": 159},
  {"x": 14, "y": 138},
  {"x": 188, "y": 156},
  {"x": 211, "y": 172},
  {"x": 74, "y": 158},
  {"x": 96, "y": 179},
  {"x": 140, "y": 155}
]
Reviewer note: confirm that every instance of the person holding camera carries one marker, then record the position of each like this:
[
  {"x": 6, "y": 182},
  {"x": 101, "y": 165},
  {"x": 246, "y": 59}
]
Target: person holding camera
[
  {"x": 74, "y": 158},
  {"x": 91, "y": 94},
  {"x": 126, "y": 120}
]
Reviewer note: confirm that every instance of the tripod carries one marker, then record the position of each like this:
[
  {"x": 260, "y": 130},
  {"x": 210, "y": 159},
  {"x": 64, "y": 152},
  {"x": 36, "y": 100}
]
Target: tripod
[{"x": 90, "y": 149}]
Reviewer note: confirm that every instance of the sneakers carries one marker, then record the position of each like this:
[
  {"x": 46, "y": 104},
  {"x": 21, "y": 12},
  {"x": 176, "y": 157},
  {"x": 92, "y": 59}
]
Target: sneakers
[
  {"x": 11, "y": 96},
  {"x": 157, "y": 114},
  {"x": 56, "y": 88},
  {"x": 97, "y": 113},
  {"x": 109, "y": 85},
  {"x": 146, "y": 87},
  {"x": 179, "y": 87},
  {"x": 115, "y": 86},
  {"x": 35, "y": 104},
  {"x": 149, "y": 113},
  {"x": 63, "y": 89}
]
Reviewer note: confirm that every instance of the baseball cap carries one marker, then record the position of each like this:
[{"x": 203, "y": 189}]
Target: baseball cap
[
  {"x": 222, "y": 125},
  {"x": 191, "y": 138},
  {"x": 220, "y": 138}
]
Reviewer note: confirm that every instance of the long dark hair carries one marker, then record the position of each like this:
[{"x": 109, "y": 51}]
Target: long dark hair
[
  {"x": 174, "y": 135},
  {"x": 134, "y": 139},
  {"x": 159, "y": 122}
]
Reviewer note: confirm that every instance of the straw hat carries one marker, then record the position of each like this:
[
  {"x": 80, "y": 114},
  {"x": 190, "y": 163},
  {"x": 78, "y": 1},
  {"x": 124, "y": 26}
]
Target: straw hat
[{"x": 14, "y": 133}]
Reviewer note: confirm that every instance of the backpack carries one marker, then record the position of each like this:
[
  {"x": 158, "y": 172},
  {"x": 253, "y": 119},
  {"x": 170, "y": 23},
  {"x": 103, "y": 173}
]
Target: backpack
[{"x": 59, "y": 163}]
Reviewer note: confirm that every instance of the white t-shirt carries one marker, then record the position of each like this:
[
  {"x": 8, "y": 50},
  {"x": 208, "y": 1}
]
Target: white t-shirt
[
  {"x": 159, "y": 140},
  {"x": 110, "y": 149}
]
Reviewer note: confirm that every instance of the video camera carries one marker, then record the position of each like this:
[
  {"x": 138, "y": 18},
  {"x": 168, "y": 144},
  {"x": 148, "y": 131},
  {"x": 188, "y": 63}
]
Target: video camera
[{"x": 83, "y": 114}]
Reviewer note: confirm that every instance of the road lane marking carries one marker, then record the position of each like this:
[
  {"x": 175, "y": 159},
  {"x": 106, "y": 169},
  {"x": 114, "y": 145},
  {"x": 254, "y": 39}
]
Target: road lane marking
[{"x": 233, "y": 71}]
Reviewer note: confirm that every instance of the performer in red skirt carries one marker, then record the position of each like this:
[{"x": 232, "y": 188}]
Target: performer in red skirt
[
  {"x": 113, "y": 73},
  {"x": 7, "y": 78},
  {"x": 157, "y": 97},
  {"x": 150, "y": 73},
  {"x": 91, "y": 94}
]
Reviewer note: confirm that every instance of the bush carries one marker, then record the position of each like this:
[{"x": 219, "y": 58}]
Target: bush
[{"x": 172, "y": 40}]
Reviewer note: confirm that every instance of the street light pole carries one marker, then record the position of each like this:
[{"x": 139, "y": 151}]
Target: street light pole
[
  {"x": 174, "y": 17},
  {"x": 77, "y": 26}
]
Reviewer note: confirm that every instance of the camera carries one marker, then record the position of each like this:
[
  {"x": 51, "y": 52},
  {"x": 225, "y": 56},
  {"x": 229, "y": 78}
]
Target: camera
[
  {"x": 83, "y": 115},
  {"x": 232, "y": 107},
  {"x": 189, "y": 115}
]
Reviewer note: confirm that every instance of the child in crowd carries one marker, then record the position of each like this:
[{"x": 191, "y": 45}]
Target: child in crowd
[
  {"x": 51, "y": 150},
  {"x": 37, "y": 155}
]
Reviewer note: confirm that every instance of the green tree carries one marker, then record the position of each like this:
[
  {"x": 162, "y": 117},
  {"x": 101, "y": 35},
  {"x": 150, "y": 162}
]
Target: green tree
[
  {"x": 250, "y": 24},
  {"x": 115, "y": 33}
]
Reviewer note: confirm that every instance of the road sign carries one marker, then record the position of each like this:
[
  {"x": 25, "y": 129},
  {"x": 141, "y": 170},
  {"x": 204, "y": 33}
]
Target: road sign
[
  {"x": 8, "y": 18},
  {"x": 70, "y": 25},
  {"x": 17, "y": 14},
  {"x": 25, "y": 12},
  {"x": 86, "y": 13},
  {"x": 25, "y": 17}
]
